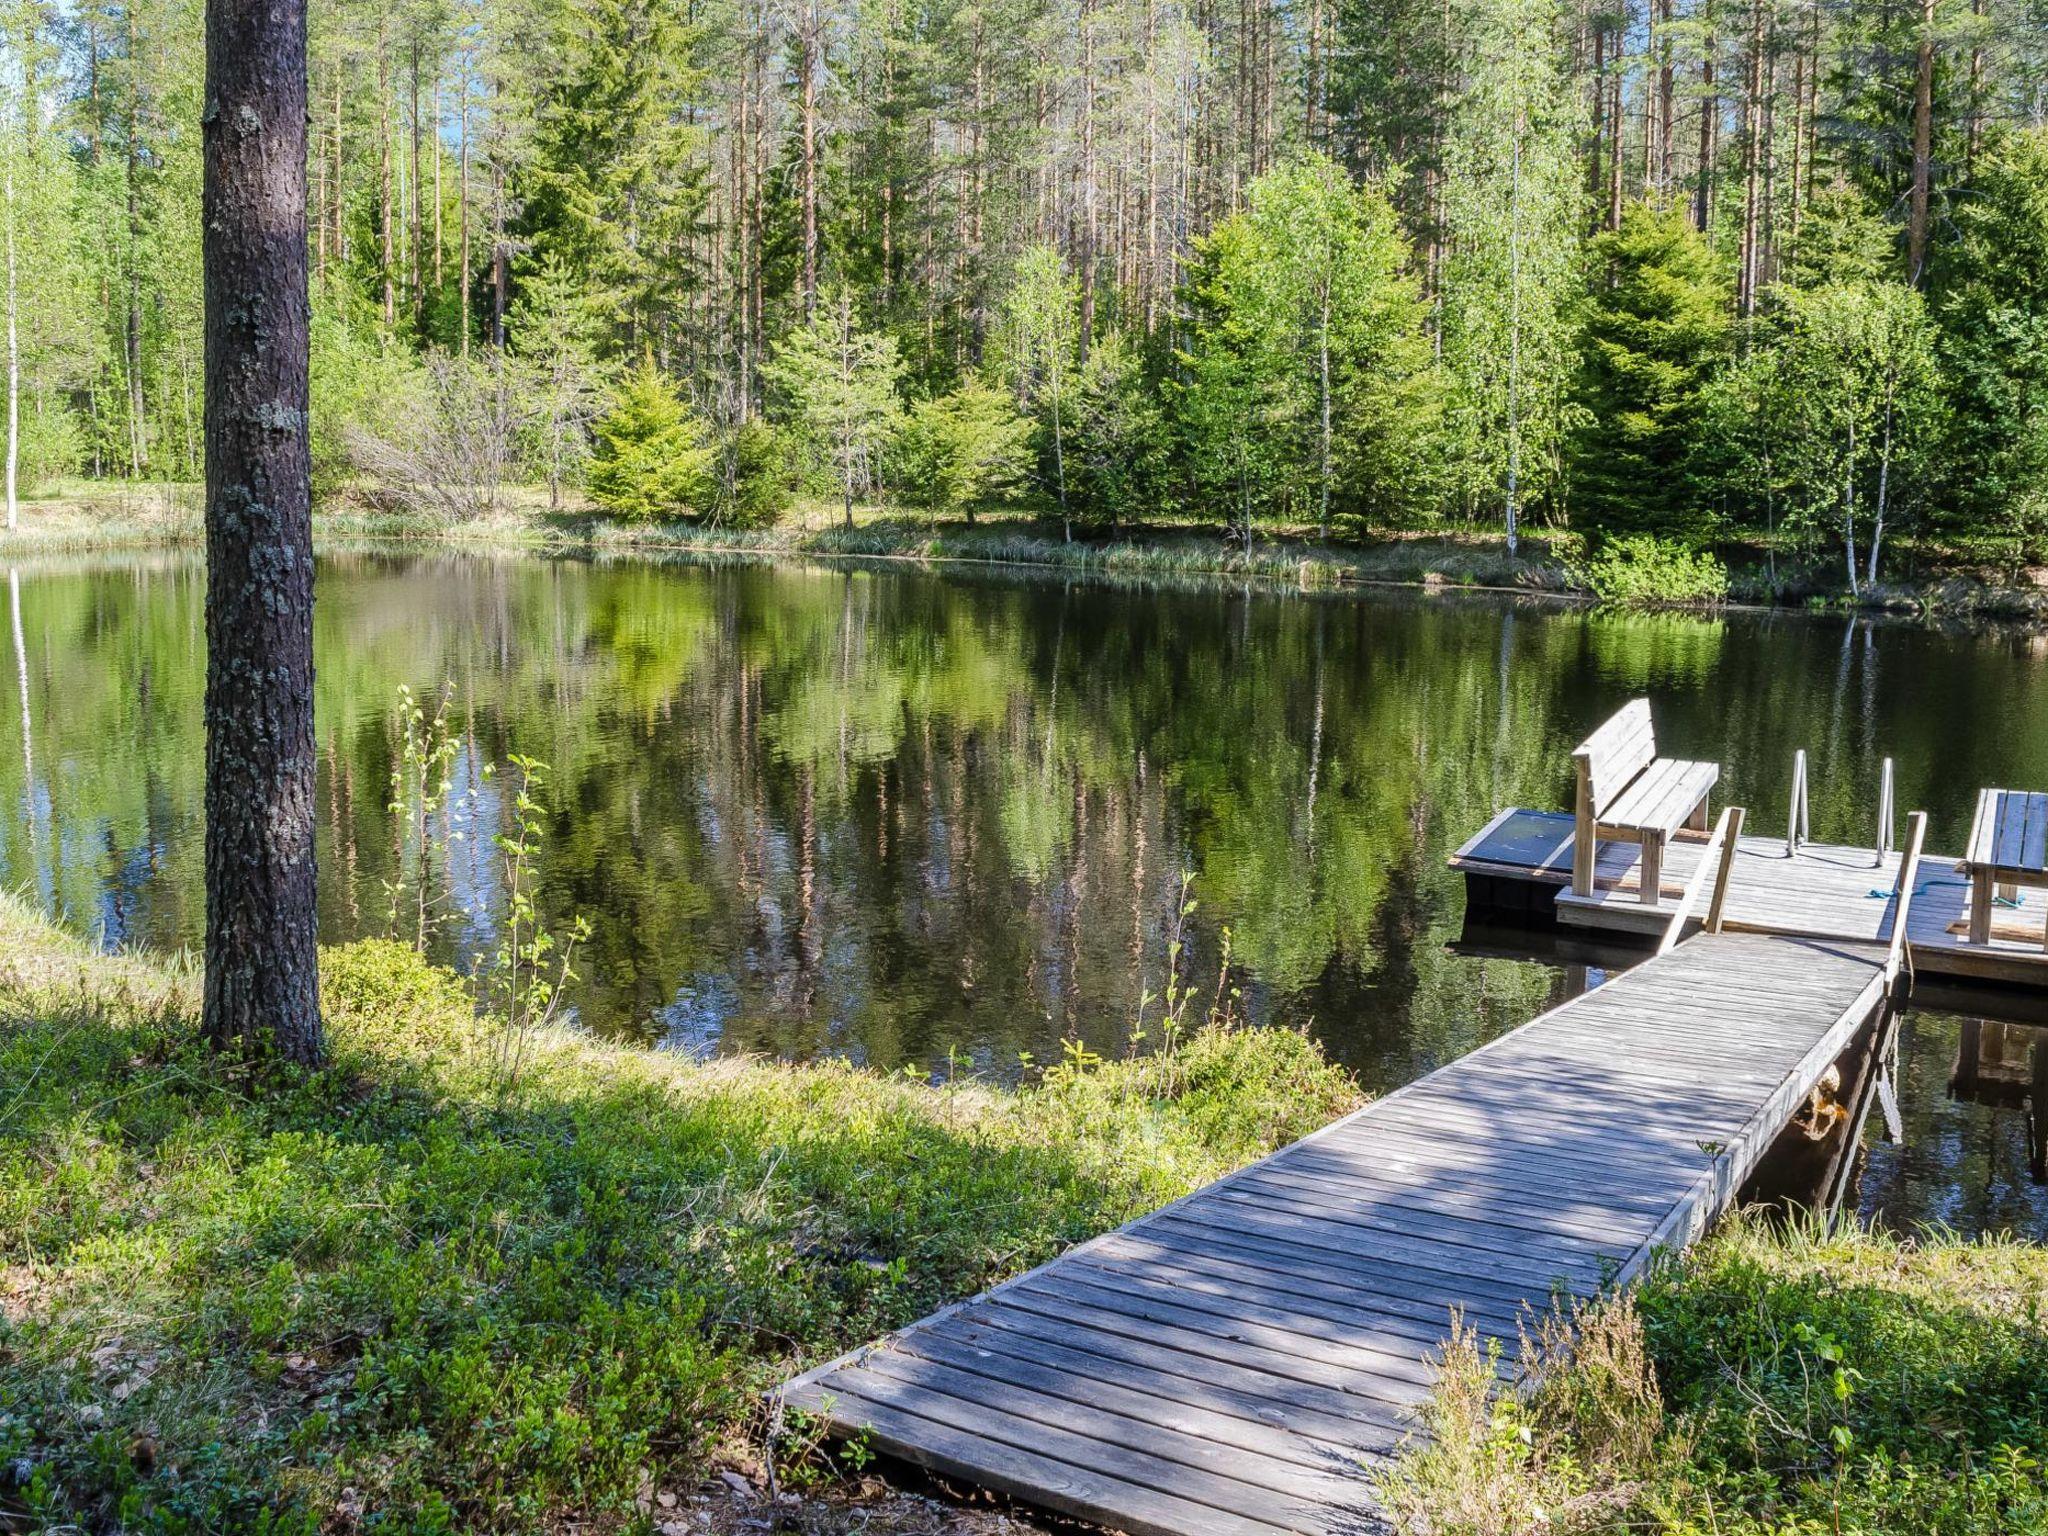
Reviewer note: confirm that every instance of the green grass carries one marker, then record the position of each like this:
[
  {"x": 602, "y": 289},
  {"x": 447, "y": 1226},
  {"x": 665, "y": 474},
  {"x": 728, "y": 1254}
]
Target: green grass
[
  {"x": 1772, "y": 1383},
  {"x": 1987, "y": 580},
  {"x": 84, "y": 515},
  {"x": 403, "y": 1289},
  {"x": 400, "y": 1288}
]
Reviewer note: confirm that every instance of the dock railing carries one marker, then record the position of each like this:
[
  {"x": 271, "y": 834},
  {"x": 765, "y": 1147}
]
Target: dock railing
[
  {"x": 1799, "y": 815},
  {"x": 1897, "y": 956},
  {"x": 1717, "y": 860}
]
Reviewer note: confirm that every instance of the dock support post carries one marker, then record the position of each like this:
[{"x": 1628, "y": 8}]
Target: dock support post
[
  {"x": 1716, "y": 860},
  {"x": 1728, "y": 849},
  {"x": 1902, "y": 897}
]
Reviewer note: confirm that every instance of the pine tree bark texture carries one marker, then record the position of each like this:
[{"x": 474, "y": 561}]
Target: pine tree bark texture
[{"x": 261, "y": 991}]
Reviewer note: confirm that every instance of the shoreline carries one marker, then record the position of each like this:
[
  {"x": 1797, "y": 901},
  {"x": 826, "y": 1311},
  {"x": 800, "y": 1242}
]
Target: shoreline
[{"x": 157, "y": 517}]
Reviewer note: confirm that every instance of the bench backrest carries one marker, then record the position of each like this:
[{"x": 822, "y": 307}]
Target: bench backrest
[{"x": 1609, "y": 759}]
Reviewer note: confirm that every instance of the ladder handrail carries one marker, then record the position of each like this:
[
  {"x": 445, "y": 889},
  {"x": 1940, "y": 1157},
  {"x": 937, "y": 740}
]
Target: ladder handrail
[
  {"x": 1717, "y": 858},
  {"x": 1886, "y": 814},
  {"x": 1798, "y": 825},
  {"x": 1902, "y": 894}
]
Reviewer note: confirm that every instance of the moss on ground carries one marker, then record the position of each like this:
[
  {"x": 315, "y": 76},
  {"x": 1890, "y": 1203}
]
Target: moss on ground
[{"x": 403, "y": 1289}]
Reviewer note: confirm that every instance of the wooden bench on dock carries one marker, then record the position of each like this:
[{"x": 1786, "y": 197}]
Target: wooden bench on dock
[
  {"x": 1627, "y": 793},
  {"x": 2008, "y": 849}
]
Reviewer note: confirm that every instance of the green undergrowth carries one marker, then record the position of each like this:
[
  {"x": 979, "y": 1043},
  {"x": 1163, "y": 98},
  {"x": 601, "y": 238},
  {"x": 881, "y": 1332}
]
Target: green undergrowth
[
  {"x": 403, "y": 1296},
  {"x": 1643, "y": 571},
  {"x": 1810, "y": 1381}
]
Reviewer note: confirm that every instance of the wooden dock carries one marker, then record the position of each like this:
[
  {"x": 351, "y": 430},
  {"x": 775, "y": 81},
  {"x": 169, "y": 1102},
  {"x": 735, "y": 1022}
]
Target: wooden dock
[
  {"x": 1239, "y": 1362},
  {"x": 1776, "y": 886}
]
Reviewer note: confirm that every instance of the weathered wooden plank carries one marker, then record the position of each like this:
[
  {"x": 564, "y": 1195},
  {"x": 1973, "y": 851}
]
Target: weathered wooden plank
[
  {"x": 2034, "y": 843},
  {"x": 1516, "y": 1276},
  {"x": 1361, "y": 1430},
  {"x": 1345, "y": 1349},
  {"x": 1213, "y": 1275},
  {"x": 2012, "y": 829},
  {"x": 1458, "y": 1175},
  {"x": 1219, "y": 1451},
  {"x": 1426, "y": 1288},
  {"x": 1365, "y": 1190},
  {"x": 1199, "y": 1338},
  {"x": 933, "y": 1440},
  {"x": 1033, "y": 1333},
  {"x": 1377, "y": 1333},
  {"x": 1440, "y": 1224},
  {"x": 1081, "y": 1382}
]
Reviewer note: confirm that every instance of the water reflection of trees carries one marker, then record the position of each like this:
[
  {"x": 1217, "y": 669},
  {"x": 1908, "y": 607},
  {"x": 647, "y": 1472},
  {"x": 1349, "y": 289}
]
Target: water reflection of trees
[{"x": 883, "y": 812}]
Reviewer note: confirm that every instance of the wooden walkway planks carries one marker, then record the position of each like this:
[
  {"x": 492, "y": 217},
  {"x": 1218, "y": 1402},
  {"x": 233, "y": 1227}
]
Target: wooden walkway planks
[{"x": 1239, "y": 1361}]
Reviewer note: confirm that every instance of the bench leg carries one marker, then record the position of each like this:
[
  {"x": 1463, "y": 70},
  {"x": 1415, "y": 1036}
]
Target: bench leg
[
  {"x": 1583, "y": 852},
  {"x": 1653, "y": 871},
  {"x": 1980, "y": 907},
  {"x": 1697, "y": 822}
]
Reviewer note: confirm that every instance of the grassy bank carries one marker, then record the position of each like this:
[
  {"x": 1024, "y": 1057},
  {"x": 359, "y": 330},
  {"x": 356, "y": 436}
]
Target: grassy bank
[
  {"x": 82, "y": 519},
  {"x": 414, "y": 1296},
  {"x": 1002, "y": 537},
  {"x": 1808, "y": 1382},
  {"x": 408, "y": 1289},
  {"x": 84, "y": 516}
]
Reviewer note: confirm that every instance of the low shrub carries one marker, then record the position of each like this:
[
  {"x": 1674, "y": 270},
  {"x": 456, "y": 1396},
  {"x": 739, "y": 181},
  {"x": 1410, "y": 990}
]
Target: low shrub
[{"x": 1641, "y": 570}]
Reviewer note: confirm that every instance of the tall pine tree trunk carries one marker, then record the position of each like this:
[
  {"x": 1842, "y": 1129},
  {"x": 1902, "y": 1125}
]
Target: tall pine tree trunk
[
  {"x": 462, "y": 208},
  {"x": 385, "y": 217},
  {"x": 1923, "y": 147},
  {"x": 412, "y": 270},
  {"x": 261, "y": 991},
  {"x": 1088, "y": 205},
  {"x": 1710, "y": 111},
  {"x": 340, "y": 242},
  {"x": 807, "y": 62},
  {"x": 138, "y": 428}
]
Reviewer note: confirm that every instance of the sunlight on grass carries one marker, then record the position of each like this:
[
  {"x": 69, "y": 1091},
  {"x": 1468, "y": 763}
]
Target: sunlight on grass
[{"x": 401, "y": 1287}]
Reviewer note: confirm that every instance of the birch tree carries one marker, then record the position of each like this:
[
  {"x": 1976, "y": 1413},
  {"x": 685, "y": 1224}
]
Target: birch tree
[{"x": 1511, "y": 272}]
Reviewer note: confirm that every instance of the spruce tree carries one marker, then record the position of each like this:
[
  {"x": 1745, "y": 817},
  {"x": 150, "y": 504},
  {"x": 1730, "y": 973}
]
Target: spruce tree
[
  {"x": 651, "y": 460},
  {"x": 1656, "y": 331}
]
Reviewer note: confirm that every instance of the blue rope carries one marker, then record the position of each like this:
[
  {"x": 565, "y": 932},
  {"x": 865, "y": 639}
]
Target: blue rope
[{"x": 1920, "y": 889}]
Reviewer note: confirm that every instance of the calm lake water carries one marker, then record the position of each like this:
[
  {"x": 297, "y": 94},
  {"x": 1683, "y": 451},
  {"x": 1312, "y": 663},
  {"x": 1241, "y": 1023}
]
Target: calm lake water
[{"x": 942, "y": 820}]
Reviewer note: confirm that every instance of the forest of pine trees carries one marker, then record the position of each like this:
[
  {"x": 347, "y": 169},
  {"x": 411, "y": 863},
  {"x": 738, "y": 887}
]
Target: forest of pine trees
[{"x": 1704, "y": 268}]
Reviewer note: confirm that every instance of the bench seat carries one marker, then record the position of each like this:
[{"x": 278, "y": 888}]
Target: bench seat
[{"x": 1669, "y": 793}]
